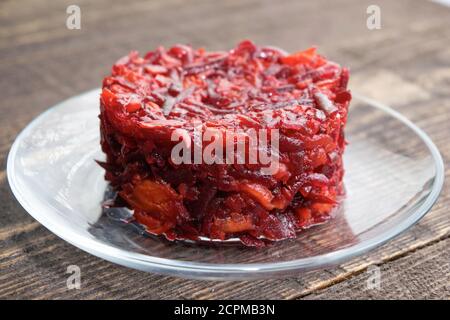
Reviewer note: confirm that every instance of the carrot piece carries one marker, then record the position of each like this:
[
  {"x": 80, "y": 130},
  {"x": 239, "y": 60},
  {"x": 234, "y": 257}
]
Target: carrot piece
[
  {"x": 234, "y": 223},
  {"x": 259, "y": 193}
]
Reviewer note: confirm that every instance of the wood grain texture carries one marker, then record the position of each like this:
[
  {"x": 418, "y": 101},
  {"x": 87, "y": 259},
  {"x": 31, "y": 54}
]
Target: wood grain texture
[{"x": 405, "y": 64}]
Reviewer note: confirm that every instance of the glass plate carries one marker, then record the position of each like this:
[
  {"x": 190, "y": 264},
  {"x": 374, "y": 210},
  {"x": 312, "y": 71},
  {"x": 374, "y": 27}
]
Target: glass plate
[{"x": 394, "y": 174}]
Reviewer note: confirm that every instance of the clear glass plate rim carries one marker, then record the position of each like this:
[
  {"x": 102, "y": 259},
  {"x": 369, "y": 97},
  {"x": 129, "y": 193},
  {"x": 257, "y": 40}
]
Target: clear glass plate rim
[{"x": 146, "y": 262}]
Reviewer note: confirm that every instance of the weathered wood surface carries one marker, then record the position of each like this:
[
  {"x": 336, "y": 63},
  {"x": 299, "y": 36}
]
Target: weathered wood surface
[{"x": 405, "y": 64}]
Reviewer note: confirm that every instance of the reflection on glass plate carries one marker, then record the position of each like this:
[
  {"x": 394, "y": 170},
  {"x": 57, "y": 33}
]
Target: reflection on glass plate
[{"x": 394, "y": 174}]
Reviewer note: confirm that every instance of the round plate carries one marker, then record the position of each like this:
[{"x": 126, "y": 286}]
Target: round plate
[{"x": 394, "y": 174}]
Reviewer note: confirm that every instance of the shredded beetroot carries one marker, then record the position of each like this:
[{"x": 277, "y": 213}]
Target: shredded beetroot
[{"x": 146, "y": 99}]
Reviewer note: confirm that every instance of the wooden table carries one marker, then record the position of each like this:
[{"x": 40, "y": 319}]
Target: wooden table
[{"x": 405, "y": 64}]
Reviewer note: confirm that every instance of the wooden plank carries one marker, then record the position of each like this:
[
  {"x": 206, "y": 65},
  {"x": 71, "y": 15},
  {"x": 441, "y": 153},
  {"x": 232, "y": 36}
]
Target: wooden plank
[
  {"x": 423, "y": 274},
  {"x": 405, "y": 64}
]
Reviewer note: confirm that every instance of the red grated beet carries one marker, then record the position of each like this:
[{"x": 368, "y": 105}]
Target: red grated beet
[{"x": 146, "y": 99}]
